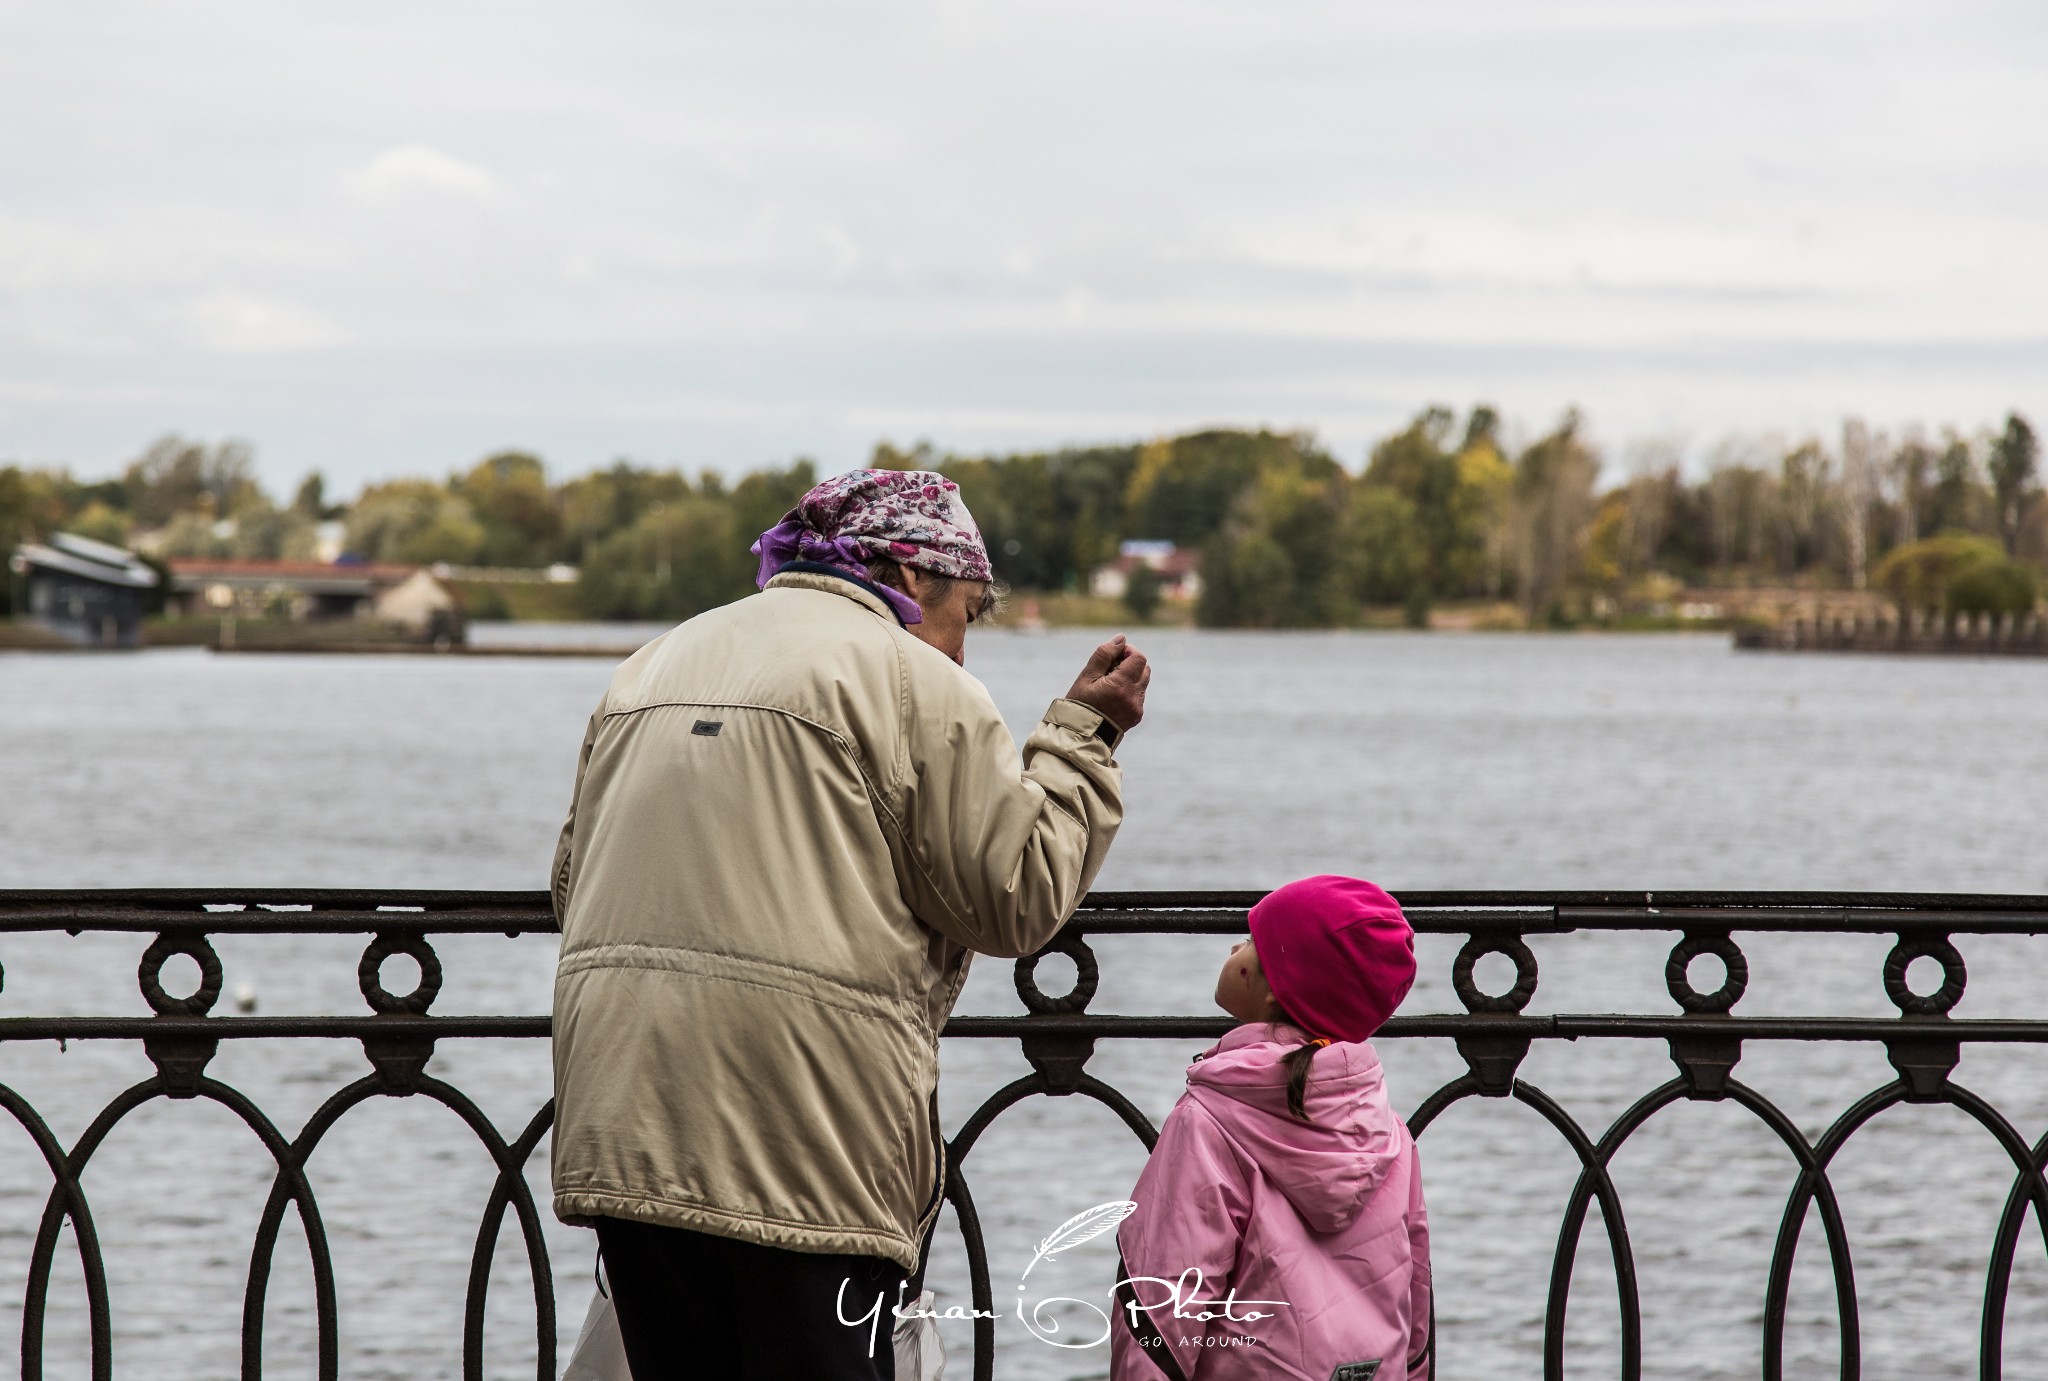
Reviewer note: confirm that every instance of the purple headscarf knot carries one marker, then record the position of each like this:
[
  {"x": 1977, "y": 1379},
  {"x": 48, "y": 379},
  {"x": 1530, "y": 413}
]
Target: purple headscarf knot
[{"x": 914, "y": 517}]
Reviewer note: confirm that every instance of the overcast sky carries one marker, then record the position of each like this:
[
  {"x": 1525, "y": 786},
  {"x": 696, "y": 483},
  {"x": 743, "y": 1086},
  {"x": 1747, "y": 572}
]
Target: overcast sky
[{"x": 383, "y": 238}]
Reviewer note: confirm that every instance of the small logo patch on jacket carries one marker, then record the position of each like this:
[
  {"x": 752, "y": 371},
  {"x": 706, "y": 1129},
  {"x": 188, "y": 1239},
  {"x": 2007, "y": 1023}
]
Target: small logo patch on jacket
[
  {"x": 1356, "y": 1371},
  {"x": 707, "y": 728}
]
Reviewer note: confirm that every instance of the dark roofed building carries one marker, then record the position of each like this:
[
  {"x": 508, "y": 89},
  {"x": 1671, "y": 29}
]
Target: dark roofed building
[{"x": 87, "y": 592}]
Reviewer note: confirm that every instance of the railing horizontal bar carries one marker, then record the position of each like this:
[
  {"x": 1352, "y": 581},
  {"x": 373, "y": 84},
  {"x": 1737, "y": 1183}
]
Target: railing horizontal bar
[
  {"x": 1851, "y": 920},
  {"x": 1564, "y": 1026},
  {"x": 1136, "y": 1028},
  {"x": 1941, "y": 901},
  {"x": 499, "y": 922},
  {"x": 1158, "y": 922},
  {"x": 1573, "y": 1027},
  {"x": 439, "y": 899},
  {"x": 1151, "y": 901},
  {"x": 1151, "y": 921},
  {"x": 1839, "y": 920},
  {"x": 319, "y": 898},
  {"x": 247, "y": 1028},
  {"x": 1566, "y": 919},
  {"x": 1530, "y": 900},
  {"x": 360, "y": 911}
]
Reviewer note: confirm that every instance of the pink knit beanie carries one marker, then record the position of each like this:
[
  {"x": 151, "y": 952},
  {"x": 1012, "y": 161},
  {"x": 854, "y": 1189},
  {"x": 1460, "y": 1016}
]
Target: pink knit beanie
[{"x": 1337, "y": 952}]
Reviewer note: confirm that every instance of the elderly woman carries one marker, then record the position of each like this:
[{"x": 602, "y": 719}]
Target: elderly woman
[{"x": 795, "y": 819}]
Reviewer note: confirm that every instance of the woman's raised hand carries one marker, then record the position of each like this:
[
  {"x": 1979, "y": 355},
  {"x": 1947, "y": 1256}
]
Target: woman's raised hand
[{"x": 1113, "y": 683}]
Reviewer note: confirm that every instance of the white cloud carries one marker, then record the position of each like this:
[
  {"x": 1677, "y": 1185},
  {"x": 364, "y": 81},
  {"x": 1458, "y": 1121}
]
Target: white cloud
[
  {"x": 412, "y": 169},
  {"x": 843, "y": 250},
  {"x": 233, "y": 323}
]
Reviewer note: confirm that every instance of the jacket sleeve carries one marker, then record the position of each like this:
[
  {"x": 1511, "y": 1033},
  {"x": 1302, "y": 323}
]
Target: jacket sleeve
[
  {"x": 565, "y": 845},
  {"x": 995, "y": 850},
  {"x": 1421, "y": 1294},
  {"x": 1194, "y": 1200}
]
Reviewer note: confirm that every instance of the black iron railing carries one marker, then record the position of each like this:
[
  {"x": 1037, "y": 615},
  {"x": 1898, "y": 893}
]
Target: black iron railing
[{"x": 1057, "y": 1038}]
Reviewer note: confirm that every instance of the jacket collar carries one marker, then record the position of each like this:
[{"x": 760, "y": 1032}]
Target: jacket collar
[
  {"x": 816, "y": 575},
  {"x": 1257, "y": 1033}
]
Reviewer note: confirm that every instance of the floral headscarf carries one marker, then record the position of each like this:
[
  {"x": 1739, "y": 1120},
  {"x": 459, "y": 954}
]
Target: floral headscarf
[{"x": 915, "y": 517}]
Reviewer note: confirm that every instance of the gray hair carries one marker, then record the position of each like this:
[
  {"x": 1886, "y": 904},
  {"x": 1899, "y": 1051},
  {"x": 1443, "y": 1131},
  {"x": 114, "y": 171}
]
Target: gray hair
[{"x": 887, "y": 571}]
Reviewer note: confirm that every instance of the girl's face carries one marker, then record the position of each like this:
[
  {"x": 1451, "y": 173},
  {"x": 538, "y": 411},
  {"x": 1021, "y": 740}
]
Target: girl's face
[{"x": 1241, "y": 988}]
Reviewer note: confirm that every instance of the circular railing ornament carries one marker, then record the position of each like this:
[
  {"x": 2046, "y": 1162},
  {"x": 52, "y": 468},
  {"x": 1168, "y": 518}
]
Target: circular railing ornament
[
  {"x": 1679, "y": 980},
  {"x": 1954, "y": 975},
  {"x": 149, "y": 975},
  {"x": 1477, "y": 948},
  {"x": 1086, "y": 974},
  {"x": 369, "y": 975}
]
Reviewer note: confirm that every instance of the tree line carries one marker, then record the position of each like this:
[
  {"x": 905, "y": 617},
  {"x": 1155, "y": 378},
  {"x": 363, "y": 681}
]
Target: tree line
[{"x": 1447, "y": 509}]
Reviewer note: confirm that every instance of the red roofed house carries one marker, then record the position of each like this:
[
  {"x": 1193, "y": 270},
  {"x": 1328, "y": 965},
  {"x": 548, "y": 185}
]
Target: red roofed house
[
  {"x": 1180, "y": 575},
  {"x": 407, "y": 597}
]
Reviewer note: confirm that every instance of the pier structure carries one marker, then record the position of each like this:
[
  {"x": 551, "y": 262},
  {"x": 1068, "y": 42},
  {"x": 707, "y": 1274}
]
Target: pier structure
[{"x": 1905, "y": 631}]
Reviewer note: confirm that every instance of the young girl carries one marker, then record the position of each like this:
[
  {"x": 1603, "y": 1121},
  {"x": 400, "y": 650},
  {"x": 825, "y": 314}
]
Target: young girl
[{"x": 1284, "y": 1175}]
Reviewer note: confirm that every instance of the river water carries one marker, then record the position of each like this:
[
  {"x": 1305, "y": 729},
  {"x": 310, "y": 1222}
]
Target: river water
[{"x": 1417, "y": 760}]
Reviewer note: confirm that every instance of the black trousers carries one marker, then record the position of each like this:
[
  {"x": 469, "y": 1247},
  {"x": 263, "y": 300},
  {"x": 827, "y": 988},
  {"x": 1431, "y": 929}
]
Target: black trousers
[{"x": 696, "y": 1306}]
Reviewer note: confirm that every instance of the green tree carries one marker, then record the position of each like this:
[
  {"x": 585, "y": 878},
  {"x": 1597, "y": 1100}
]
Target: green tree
[
  {"x": 1416, "y": 464},
  {"x": 2012, "y": 462},
  {"x": 517, "y": 513},
  {"x": 760, "y": 500},
  {"x": 1458, "y": 499},
  {"x": 1279, "y": 561},
  {"x": 1956, "y": 574},
  {"x": 102, "y": 522},
  {"x": 179, "y": 476},
  {"x": 265, "y": 532},
  {"x": 1805, "y": 496},
  {"x": 311, "y": 498},
  {"x": 922, "y": 456},
  {"x": 1957, "y": 490},
  {"x": 1049, "y": 518},
  {"x": 678, "y": 560},
  {"x": 1141, "y": 593},
  {"x": 1553, "y": 508},
  {"x": 1999, "y": 586},
  {"x": 32, "y": 505},
  {"x": 1911, "y": 469},
  {"x": 1247, "y": 582},
  {"x": 612, "y": 500},
  {"x": 1482, "y": 506},
  {"x": 1385, "y": 561},
  {"x": 414, "y": 521},
  {"x": 1182, "y": 490}
]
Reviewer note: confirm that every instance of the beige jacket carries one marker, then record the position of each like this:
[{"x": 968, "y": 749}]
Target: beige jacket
[{"x": 792, "y": 823}]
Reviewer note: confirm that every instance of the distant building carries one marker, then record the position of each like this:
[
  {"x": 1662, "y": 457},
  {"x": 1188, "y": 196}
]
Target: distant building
[
  {"x": 407, "y": 597},
  {"x": 1180, "y": 574},
  {"x": 422, "y": 606},
  {"x": 557, "y": 574},
  {"x": 88, "y": 592}
]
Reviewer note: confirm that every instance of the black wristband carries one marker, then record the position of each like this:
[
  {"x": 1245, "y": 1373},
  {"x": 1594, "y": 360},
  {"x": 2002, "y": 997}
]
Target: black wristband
[{"x": 1108, "y": 733}]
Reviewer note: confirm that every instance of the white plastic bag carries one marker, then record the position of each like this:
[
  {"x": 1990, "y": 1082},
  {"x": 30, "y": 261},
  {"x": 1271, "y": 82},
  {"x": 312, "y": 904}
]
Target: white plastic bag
[
  {"x": 920, "y": 1356},
  {"x": 600, "y": 1352}
]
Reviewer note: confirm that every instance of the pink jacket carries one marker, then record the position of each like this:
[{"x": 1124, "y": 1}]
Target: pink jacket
[{"x": 1324, "y": 1215}]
